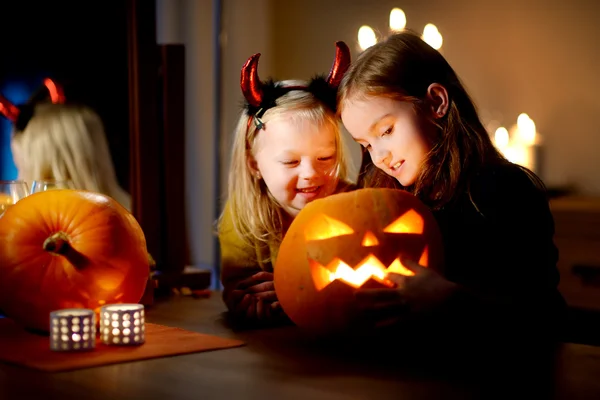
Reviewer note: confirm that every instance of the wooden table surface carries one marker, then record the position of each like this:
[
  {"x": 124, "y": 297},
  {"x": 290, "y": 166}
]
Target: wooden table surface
[{"x": 282, "y": 363}]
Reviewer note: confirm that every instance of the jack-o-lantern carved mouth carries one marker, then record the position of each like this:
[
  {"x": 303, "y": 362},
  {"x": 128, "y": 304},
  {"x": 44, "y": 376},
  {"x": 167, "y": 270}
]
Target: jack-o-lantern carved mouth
[
  {"x": 335, "y": 251},
  {"x": 368, "y": 269}
]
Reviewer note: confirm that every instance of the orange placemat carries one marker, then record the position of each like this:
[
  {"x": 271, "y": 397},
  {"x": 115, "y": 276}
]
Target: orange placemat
[{"x": 18, "y": 346}]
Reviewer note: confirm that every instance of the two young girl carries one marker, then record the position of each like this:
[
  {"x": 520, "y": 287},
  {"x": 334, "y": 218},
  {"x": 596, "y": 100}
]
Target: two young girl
[{"x": 420, "y": 132}]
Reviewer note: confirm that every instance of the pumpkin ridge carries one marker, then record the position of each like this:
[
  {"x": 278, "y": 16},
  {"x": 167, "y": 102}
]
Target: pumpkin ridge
[
  {"x": 17, "y": 271},
  {"x": 51, "y": 271},
  {"x": 76, "y": 218},
  {"x": 77, "y": 232}
]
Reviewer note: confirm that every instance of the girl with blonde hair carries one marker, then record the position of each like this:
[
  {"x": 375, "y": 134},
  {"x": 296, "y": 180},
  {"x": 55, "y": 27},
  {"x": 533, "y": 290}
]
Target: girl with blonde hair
[
  {"x": 287, "y": 152},
  {"x": 63, "y": 142}
]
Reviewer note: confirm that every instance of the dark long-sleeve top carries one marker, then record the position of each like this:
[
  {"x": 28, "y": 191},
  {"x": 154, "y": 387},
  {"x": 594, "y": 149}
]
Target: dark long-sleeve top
[{"x": 498, "y": 241}]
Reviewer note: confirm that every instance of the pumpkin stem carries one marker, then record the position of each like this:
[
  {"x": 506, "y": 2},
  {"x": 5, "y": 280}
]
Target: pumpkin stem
[{"x": 57, "y": 243}]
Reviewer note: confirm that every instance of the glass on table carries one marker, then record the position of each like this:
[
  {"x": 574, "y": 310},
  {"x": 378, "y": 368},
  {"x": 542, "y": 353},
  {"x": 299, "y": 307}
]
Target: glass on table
[
  {"x": 41, "y": 185},
  {"x": 11, "y": 192}
]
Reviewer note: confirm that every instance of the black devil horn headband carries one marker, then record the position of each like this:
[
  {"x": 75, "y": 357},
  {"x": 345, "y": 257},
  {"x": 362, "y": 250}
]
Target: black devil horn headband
[{"x": 20, "y": 115}]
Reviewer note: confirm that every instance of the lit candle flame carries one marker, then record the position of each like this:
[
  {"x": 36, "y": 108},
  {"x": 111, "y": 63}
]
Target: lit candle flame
[
  {"x": 366, "y": 37},
  {"x": 432, "y": 36},
  {"x": 397, "y": 19},
  {"x": 501, "y": 138},
  {"x": 526, "y": 129}
]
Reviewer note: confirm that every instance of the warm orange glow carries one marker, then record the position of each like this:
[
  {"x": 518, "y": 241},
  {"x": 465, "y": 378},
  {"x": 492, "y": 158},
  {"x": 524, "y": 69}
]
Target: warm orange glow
[
  {"x": 324, "y": 227},
  {"x": 397, "y": 268},
  {"x": 369, "y": 268},
  {"x": 409, "y": 222},
  {"x": 424, "y": 260},
  {"x": 369, "y": 240}
]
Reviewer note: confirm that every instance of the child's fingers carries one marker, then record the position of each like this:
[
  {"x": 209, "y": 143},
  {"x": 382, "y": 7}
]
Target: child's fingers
[
  {"x": 244, "y": 284},
  {"x": 397, "y": 279},
  {"x": 237, "y": 295},
  {"x": 252, "y": 280},
  {"x": 233, "y": 298},
  {"x": 263, "y": 276},
  {"x": 411, "y": 265},
  {"x": 261, "y": 287},
  {"x": 243, "y": 305},
  {"x": 268, "y": 297},
  {"x": 260, "y": 309},
  {"x": 251, "y": 310}
]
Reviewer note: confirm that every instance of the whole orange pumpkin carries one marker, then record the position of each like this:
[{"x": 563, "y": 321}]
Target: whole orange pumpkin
[
  {"x": 348, "y": 241},
  {"x": 68, "y": 249}
]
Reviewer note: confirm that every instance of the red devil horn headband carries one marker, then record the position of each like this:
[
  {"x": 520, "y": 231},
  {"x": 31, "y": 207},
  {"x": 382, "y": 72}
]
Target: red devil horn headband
[
  {"x": 340, "y": 64},
  {"x": 250, "y": 82},
  {"x": 8, "y": 109},
  {"x": 56, "y": 92},
  {"x": 252, "y": 87},
  {"x": 20, "y": 115}
]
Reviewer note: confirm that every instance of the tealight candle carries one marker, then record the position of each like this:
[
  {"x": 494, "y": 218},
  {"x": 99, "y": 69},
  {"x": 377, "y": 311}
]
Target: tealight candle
[
  {"x": 122, "y": 324},
  {"x": 72, "y": 329}
]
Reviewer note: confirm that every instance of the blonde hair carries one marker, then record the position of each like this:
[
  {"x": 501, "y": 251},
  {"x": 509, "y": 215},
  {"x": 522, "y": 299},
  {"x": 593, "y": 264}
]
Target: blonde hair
[
  {"x": 257, "y": 217},
  {"x": 67, "y": 142}
]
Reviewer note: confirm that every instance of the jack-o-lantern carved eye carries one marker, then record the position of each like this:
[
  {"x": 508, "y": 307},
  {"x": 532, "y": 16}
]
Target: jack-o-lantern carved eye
[
  {"x": 409, "y": 222},
  {"x": 324, "y": 227}
]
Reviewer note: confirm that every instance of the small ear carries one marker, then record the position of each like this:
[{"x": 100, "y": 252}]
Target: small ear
[
  {"x": 253, "y": 166},
  {"x": 437, "y": 95}
]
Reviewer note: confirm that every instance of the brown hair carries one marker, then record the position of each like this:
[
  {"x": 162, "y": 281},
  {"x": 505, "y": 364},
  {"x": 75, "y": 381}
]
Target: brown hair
[{"x": 403, "y": 67}]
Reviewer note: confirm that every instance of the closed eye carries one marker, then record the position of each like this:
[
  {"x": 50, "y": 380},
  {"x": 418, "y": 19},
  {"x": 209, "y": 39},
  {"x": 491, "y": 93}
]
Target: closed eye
[
  {"x": 388, "y": 131},
  {"x": 325, "y": 158},
  {"x": 290, "y": 162}
]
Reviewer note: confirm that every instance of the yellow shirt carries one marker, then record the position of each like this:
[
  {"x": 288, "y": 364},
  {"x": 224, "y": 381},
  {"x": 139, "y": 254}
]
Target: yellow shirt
[{"x": 240, "y": 260}]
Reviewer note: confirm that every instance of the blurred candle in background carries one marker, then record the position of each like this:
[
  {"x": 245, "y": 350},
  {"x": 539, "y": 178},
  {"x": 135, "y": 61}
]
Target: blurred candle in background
[
  {"x": 366, "y": 37},
  {"x": 397, "y": 20}
]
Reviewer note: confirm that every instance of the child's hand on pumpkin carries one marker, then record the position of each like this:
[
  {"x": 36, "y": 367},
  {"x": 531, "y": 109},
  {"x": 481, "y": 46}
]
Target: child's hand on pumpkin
[
  {"x": 255, "y": 298},
  {"x": 424, "y": 291}
]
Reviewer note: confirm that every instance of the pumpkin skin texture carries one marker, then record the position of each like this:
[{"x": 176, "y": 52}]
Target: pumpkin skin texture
[
  {"x": 364, "y": 232},
  {"x": 68, "y": 249}
]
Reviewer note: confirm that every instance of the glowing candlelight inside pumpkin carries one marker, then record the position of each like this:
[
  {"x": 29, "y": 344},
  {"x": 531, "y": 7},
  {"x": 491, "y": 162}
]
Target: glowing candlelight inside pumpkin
[
  {"x": 122, "y": 324},
  {"x": 369, "y": 268},
  {"x": 72, "y": 329}
]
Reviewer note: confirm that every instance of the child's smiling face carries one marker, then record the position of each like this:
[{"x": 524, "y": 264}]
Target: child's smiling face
[{"x": 297, "y": 161}]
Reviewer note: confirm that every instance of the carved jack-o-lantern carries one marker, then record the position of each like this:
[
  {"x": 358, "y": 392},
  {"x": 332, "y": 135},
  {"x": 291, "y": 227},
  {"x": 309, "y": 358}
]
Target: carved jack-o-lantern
[{"x": 348, "y": 241}]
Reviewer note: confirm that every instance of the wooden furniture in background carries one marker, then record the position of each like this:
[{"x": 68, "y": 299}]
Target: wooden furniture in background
[
  {"x": 577, "y": 236},
  {"x": 157, "y": 126}
]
